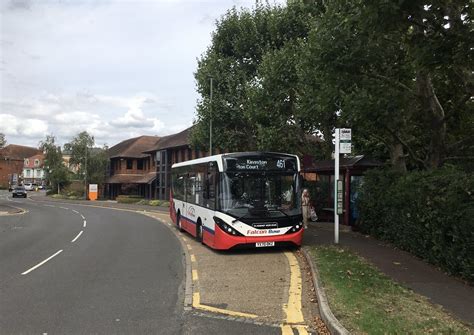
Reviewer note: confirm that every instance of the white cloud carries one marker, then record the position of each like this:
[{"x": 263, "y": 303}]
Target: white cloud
[
  {"x": 16, "y": 126},
  {"x": 115, "y": 68}
]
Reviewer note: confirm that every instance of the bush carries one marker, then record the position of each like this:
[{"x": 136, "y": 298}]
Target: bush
[
  {"x": 128, "y": 199},
  {"x": 155, "y": 203},
  {"x": 58, "y": 196},
  {"x": 429, "y": 214},
  {"x": 50, "y": 192}
]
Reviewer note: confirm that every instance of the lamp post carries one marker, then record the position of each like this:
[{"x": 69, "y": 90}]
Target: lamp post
[
  {"x": 85, "y": 175},
  {"x": 210, "y": 122}
]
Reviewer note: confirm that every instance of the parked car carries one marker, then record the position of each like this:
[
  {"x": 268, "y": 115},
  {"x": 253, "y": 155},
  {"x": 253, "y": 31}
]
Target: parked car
[
  {"x": 19, "y": 192},
  {"x": 29, "y": 186}
]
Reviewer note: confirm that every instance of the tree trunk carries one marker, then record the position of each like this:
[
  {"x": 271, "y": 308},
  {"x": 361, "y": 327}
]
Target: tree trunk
[
  {"x": 437, "y": 124},
  {"x": 397, "y": 157}
]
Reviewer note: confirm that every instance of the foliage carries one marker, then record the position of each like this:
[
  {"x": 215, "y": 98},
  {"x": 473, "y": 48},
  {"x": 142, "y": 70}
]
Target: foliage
[
  {"x": 367, "y": 302},
  {"x": 393, "y": 81},
  {"x": 129, "y": 199},
  {"x": 56, "y": 173},
  {"x": 252, "y": 60},
  {"x": 426, "y": 213},
  {"x": 85, "y": 157},
  {"x": 3, "y": 140},
  {"x": 399, "y": 73}
]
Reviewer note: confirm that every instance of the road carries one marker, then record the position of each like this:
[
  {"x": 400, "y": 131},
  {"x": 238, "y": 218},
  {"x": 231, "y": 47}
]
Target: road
[{"x": 72, "y": 269}]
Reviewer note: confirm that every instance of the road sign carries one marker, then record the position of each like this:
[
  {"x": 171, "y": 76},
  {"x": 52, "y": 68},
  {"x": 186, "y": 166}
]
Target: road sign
[
  {"x": 93, "y": 192},
  {"x": 345, "y": 136}
]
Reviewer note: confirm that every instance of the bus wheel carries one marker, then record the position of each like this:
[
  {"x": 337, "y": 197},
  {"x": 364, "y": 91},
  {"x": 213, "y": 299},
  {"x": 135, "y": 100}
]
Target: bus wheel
[
  {"x": 178, "y": 222},
  {"x": 199, "y": 231}
]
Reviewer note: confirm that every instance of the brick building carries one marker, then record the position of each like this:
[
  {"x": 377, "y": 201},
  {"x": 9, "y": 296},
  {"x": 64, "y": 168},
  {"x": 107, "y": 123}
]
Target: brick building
[
  {"x": 12, "y": 159},
  {"x": 131, "y": 171},
  {"x": 167, "y": 151}
]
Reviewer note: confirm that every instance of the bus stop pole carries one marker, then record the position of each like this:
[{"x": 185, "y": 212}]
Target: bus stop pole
[{"x": 336, "y": 178}]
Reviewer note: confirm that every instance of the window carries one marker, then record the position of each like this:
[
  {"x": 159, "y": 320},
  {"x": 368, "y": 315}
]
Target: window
[
  {"x": 37, "y": 162},
  {"x": 129, "y": 164},
  {"x": 28, "y": 172},
  {"x": 27, "y": 161},
  {"x": 140, "y": 164}
]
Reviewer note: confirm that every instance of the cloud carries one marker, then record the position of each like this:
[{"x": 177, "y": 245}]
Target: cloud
[{"x": 14, "y": 125}]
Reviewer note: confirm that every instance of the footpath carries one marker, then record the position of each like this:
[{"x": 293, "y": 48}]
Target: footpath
[{"x": 454, "y": 295}]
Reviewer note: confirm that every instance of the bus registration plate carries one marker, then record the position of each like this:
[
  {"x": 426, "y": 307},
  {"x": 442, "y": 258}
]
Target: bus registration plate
[{"x": 265, "y": 244}]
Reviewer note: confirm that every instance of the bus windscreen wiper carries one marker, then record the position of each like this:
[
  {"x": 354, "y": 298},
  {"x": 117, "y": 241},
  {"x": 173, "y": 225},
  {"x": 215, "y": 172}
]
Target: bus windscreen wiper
[
  {"x": 276, "y": 209},
  {"x": 241, "y": 217}
]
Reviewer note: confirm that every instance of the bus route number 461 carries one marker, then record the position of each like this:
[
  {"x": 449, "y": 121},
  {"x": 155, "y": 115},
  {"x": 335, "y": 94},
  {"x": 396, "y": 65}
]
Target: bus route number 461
[{"x": 265, "y": 244}]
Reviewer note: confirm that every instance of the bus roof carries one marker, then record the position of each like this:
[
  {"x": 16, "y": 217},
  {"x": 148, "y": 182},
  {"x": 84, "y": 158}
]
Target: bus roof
[{"x": 220, "y": 158}]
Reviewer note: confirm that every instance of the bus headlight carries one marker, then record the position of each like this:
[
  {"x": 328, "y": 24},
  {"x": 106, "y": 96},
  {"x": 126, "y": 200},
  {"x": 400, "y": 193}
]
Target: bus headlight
[
  {"x": 226, "y": 227},
  {"x": 295, "y": 228}
]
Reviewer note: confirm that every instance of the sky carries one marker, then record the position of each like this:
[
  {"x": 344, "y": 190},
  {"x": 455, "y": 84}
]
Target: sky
[{"x": 117, "y": 69}]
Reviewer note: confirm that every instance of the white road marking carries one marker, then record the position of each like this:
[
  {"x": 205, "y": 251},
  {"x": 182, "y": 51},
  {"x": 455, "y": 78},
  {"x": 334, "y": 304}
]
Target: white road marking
[
  {"x": 85, "y": 224},
  {"x": 49, "y": 206},
  {"x": 82, "y": 216},
  {"x": 75, "y": 238},
  {"x": 75, "y": 211},
  {"x": 39, "y": 264},
  {"x": 63, "y": 207}
]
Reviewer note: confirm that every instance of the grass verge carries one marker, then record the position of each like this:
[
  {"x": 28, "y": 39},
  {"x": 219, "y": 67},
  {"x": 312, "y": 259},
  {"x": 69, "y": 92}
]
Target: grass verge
[{"x": 365, "y": 301}]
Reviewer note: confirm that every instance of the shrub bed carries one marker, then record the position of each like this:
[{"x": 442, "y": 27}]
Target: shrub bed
[
  {"x": 429, "y": 214},
  {"x": 129, "y": 199}
]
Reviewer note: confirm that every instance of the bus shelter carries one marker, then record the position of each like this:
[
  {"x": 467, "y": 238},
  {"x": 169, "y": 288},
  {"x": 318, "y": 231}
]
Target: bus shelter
[{"x": 319, "y": 179}]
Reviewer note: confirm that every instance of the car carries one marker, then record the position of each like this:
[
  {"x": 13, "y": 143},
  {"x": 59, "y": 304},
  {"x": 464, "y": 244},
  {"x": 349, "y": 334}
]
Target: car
[
  {"x": 19, "y": 192},
  {"x": 29, "y": 186}
]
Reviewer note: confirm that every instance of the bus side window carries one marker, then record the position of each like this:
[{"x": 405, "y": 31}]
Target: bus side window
[
  {"x": 210, "y": 192},
  {"x": 190, "y": 187}
]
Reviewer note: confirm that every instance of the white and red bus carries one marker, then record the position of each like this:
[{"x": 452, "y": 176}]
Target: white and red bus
[{"x": 234, "y": 200}]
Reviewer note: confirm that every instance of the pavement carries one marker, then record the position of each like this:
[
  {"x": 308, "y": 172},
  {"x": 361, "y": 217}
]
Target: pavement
[{"x": 454, "y": 295}]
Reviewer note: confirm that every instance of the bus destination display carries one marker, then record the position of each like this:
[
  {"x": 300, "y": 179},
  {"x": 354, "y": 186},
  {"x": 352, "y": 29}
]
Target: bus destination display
[{"x": 261, "y": 164}]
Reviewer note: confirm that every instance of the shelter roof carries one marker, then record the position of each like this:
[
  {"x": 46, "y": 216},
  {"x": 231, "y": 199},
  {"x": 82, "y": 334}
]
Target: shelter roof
[{"x": 359, "y": 161}]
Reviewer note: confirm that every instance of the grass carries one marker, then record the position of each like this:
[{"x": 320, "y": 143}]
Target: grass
[{"x": 367, "y": 302}]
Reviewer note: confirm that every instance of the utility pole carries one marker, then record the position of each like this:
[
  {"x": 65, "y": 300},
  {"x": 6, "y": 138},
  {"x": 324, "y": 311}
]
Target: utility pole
[
  {"x": 210, "y": 123},
  {"x": 85, "y": 176}
]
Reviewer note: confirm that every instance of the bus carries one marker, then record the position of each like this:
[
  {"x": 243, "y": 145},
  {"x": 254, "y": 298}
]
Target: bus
[{"x": 239, "y": 200}]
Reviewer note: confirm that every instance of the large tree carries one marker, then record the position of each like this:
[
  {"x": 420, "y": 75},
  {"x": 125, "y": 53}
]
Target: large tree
[
  {"x": 56, "y": 172},
  {"x": 90, "y": 161},
  {"x": 251, "y": 58},
  {"x": 399, "y": 73}
]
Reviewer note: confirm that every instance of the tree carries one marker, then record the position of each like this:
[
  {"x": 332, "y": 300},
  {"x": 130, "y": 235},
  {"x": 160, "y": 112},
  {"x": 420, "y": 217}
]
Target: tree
[
  {"x": 79, "y": 148},
  {"x": 398, "y": 72},
  {"x": 97, "y": 165},
  {"x": 254, "y": 97},
  {"x": 3, "y": 141},
  {"x": 56, "y": 173},
  {"x": 91, "y": 161}
]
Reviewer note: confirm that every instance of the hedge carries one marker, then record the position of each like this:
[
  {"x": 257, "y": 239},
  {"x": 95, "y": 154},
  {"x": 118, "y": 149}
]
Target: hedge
[
  {"x": 129, "y": 199},
  {"x": 429, "y": 214}
]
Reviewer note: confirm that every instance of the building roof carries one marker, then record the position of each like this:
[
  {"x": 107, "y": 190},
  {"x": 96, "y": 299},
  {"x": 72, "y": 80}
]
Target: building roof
[
  {"x": 19, "y": 152},
  {"x": 132, "y": 178},
  {"x": 31, "y": 161},
  {"x": 133, "y": 147},
  {"x": 172, "y": 141},
  {"x": 346, "y": 162}
]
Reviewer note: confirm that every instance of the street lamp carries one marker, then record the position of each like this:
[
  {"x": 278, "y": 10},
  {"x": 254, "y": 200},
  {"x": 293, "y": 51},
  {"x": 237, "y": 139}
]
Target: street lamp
[{"x": 210, "y": 122}]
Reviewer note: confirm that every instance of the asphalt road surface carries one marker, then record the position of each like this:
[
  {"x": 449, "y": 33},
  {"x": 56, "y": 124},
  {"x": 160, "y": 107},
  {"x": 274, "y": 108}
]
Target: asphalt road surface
[{"x": 70, "y": 269}]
